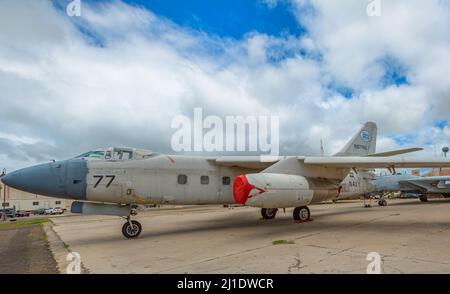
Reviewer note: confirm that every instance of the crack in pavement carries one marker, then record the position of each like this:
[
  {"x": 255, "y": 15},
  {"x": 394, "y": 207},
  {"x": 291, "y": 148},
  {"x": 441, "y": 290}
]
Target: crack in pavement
[{"x": 296, "y": 265}]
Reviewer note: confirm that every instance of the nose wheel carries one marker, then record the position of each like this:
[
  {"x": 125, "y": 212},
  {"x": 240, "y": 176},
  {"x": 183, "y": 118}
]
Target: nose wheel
[{"x": 131, "y": 229}]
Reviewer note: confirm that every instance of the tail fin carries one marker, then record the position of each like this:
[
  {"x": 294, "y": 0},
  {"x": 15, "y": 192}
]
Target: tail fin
[{"x": 363, "y": 142}]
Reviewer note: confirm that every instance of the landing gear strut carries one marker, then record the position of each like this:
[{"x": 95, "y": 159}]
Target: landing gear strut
[
  {"x": 302, "y": 214},
  {"x": 269, "y": 213}
]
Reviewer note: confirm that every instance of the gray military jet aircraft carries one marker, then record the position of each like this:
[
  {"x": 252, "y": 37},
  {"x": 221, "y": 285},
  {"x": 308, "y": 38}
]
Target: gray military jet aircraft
[
  {"x": 424, "y": 186},
  {"x": 112, "y": 181}
]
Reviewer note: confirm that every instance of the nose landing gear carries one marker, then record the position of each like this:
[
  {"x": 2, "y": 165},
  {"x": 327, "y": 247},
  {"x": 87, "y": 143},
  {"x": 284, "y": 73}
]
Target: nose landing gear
[
  {"x": 269, "y": 213},
  {"x": 132, "y": 228}
]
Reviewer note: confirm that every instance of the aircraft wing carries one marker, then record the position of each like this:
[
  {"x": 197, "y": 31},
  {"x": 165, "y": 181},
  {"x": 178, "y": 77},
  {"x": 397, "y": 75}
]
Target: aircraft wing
[
  {"x": 256, "y": 162},
  {"x": 262, "y": 162},
  {"x": 439, "y": 182},
  {"x": 376, "y": 162},
  {"x": 395, "y": 152}
]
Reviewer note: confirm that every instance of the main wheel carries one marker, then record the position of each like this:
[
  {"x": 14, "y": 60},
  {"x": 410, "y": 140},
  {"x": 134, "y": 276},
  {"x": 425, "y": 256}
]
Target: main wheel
[
  {"x": 302, "y": 214},
  {"x": 382, "y": 202},
  {"x": 423, "y": 198},
  {"x": 269, "y": 213},
  {"x": 133, "y": 230}
]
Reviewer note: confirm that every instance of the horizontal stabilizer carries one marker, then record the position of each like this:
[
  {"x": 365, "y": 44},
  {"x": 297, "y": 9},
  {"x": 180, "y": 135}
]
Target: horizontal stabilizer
[{"x": 395, "y": 152}]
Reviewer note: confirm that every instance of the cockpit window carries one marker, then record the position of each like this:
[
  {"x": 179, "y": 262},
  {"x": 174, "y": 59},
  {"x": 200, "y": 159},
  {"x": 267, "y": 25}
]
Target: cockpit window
[
  {"x": 118, "y": 153},
  {"x": 122, "y": 154},
  {"x": 93, "y": 154}
]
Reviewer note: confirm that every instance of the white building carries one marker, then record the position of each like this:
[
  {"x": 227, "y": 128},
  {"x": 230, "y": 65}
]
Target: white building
[{"x": 12, "y": 198}]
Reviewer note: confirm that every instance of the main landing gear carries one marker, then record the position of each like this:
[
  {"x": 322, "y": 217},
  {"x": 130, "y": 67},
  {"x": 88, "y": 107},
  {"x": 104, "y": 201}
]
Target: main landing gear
[
  {"x": 423, "y": 198},
  {"x": 132, "y": 228},
  {"x": 268, "y": 213},
  {"x": 300, "y": 214},
  {"x": 382, "y": 201}
]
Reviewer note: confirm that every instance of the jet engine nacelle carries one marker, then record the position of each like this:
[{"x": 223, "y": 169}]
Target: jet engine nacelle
[{"x": 269, "y": 190}]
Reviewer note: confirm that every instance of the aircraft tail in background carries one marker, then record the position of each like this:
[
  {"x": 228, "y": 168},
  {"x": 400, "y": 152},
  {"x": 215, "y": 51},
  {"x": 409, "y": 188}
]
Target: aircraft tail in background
[{"x": 363, "y": 143}]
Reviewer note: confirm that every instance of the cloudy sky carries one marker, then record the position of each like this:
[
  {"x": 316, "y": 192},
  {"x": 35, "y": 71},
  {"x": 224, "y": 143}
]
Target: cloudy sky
[{"x": 120, "y": 72}]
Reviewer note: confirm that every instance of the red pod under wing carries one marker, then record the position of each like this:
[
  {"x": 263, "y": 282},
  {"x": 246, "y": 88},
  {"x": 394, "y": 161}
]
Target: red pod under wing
[{"x": 241, "y": 189}]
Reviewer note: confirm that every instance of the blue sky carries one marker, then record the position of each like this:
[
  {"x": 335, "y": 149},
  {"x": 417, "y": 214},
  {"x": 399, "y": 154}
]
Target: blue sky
[
  {"x": 237, "y": 18},
  {"x": 227, "y": 18}
]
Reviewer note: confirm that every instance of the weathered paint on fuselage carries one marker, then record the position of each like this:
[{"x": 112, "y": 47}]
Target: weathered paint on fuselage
[
  {"x": 412, "y": 184},
  {"x": 356, "y": 185},
  {"x": 393, "y": 183},
  {"x": 155, "y": 181}
]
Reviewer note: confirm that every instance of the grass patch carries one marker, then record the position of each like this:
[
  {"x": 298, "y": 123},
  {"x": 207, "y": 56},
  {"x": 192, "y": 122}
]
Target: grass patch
[
  {"x": 43, "y": 237},
  {"x": 282, "y": 242},
  {"x": 24, "y": 223}
]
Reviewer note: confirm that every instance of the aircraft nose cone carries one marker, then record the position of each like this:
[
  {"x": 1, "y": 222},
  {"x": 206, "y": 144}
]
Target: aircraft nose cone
[
  {"x": 9, "y": 179},
  {"x": 41, "y": 179}
]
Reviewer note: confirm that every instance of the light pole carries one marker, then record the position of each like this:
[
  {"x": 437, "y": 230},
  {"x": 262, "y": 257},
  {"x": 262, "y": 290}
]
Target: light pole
[
  {"x": 445, "y": 150},
  {"x": 4, "y": 202},
  {"x": 4, "y": 195}
]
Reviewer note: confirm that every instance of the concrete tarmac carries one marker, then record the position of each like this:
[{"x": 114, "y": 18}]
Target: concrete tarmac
[{"x": 410, "y": 236}]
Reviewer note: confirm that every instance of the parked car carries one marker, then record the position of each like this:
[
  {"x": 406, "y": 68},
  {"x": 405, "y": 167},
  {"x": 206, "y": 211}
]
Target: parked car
[
  {"x": 22, "y": 213},
  {"x": 40, "y": 211},
  {"x": 10, "y": 212},
  {"x": 48, "y": 210},
  {"x": 58, "y": 210}
]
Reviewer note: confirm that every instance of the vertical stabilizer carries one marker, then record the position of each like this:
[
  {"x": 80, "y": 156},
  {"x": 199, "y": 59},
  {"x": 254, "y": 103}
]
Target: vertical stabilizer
[{"x": 363, "y": 142}]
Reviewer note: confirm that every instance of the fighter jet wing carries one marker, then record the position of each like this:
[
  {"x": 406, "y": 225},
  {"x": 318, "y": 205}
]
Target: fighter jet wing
[
  {"x": 439, "y": 182},
  {"x": 375, "y": 162}
]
